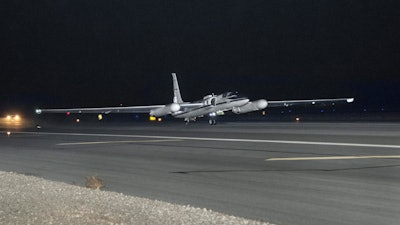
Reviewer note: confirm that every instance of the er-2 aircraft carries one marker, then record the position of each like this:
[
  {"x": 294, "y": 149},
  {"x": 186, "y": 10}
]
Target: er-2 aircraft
[{"x": 211, "y": 105}]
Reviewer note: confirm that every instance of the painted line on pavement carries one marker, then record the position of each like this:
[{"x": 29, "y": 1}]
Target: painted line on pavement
[
  {"x": 113, "y": 142},
  {"x": 223, "y": 139},
  {"x": 335, "y": 158}
]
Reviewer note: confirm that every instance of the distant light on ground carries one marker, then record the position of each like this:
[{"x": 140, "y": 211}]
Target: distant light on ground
[
  {"x": 78, "y": 120},
  {"x": 159, "y": 119},
  {"x": 99, "y": 117},
  {"x": 297, "y": 119},
  {"x": 152, "y": 118},
  {"x": 8, "y": 133},
  {"x": 12, "y": 120}
]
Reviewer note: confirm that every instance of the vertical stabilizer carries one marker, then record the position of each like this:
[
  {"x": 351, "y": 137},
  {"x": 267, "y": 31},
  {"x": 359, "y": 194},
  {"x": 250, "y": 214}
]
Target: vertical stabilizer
[{"x": 177, "y": 92}]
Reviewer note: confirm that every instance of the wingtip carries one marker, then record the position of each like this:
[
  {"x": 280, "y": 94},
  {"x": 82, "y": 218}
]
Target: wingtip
[{"x": 350, "y": 100}]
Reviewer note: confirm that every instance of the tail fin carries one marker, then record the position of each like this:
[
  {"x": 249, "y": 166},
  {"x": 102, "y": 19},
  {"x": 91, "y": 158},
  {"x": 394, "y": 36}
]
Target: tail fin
[{"x": 177, "y": 92}]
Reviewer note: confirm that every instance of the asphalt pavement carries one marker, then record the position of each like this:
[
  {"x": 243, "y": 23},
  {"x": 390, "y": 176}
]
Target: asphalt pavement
[{"x": 282, "y": 173}]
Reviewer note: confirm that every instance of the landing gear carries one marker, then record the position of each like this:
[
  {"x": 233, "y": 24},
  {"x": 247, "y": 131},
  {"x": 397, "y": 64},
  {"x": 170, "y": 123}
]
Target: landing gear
[
  {"x": 212, "y": 118},
  {"x": 187, "y": 120},
  {"x": 212, "y": 121}
]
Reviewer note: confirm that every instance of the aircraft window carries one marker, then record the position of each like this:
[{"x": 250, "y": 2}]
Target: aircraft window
[
  {"x": 233, "y": 95},
  {"x": 228, "y": 94}
]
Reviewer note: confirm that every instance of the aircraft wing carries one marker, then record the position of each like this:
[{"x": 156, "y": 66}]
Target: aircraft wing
[
  {"x": 308, "y": 102},
  {"x": 105, "y": 110},
  {"x": 188, "y": 105},
  {"x": 122, "y": 109}
]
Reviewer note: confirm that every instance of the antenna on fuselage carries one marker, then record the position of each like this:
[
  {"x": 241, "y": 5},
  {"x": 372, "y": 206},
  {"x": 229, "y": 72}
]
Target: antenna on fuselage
[{"x": 177, "y": 92}]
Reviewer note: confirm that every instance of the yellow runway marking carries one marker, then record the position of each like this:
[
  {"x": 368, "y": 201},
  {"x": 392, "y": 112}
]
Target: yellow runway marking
[
  {"x": 336, "y": 158},
  {"x": 116, "y": 142}
]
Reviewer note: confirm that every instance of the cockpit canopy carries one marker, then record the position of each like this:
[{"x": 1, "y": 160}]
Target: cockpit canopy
[{"x": 230, "y": 94}]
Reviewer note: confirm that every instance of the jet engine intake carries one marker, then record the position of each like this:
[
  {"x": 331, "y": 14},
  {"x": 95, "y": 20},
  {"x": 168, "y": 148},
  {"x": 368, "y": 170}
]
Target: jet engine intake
[
  {"x": 210, "y": 101},
  {"x": 168, "y": 109},
  {"x": 251, "y": 106}
]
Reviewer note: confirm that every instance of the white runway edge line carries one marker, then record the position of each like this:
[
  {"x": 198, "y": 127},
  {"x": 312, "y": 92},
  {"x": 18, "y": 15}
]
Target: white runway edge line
[
  {"x": 335, "y": 158},
  {"x": 222, "y": 139},
  {"x": 114, "y": 142}
]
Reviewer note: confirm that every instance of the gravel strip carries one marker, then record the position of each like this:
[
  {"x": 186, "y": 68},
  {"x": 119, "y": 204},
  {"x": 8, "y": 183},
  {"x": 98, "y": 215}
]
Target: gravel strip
[{"x": 32, "y": 200}]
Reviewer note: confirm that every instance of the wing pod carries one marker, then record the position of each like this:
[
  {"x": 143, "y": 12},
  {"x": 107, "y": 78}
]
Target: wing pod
[
  {"x": 251, "y": 106},
  {"x": 168, "y": 109}
]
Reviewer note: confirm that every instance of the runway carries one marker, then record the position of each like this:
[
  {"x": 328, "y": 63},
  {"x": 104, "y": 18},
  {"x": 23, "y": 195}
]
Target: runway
[{"x": 282, "y": 173}]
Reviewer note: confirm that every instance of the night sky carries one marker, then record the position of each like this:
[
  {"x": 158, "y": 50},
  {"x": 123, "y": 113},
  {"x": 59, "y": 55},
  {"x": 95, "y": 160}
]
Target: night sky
[{"x": 66, "y": 53}]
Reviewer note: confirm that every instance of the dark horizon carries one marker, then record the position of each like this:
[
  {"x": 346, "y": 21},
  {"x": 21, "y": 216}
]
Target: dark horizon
[{"x": 104, "y": 53}]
